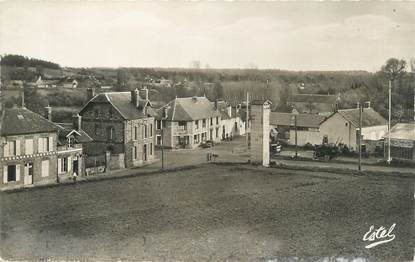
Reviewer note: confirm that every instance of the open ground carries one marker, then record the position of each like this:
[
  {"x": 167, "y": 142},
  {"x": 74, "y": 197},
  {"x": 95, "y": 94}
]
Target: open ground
[{"x": 233, "y": 212}]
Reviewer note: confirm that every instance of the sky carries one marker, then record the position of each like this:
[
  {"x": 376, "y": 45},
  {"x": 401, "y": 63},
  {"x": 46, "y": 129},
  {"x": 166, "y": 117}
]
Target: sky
[{"x": 280, "y": 35}]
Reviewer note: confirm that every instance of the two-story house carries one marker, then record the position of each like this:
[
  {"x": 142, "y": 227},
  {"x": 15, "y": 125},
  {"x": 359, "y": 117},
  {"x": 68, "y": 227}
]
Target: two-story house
[
  {"x": 120, "y": 124},
  {"x": 28, "y": 148},
  {"x": 187, "y": 122}
]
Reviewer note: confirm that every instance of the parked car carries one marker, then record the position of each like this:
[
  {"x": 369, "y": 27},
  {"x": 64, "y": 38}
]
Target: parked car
[{"x": 207, "y": 144}]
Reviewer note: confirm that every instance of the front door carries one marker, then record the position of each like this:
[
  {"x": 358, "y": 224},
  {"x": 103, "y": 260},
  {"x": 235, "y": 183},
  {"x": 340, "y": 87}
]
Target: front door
[
  {"x": 75, "y": 166},
  {"x": 28, "y": 174}
]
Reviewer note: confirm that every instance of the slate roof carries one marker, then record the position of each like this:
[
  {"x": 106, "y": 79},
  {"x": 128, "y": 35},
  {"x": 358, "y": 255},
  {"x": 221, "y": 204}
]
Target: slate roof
[
  {"x": 121, "y": 101},
  {"x": 315, "y": 98},
  {"x": 303, "y": 120},
  {"x": 189, "y": 109},
  {"x": 66, "y": 129},
  {"x": 403, "y": 131},
  {"x": 19, "y": 121},
  {"x": 369, "y": 117}
]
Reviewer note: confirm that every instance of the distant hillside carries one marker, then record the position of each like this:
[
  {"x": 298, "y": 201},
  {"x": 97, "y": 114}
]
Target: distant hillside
[{"x": 23, "y": 61}]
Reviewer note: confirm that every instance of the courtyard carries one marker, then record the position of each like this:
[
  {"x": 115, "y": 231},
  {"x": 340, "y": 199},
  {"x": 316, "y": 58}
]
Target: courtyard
[{"x": 211, "y": 212}]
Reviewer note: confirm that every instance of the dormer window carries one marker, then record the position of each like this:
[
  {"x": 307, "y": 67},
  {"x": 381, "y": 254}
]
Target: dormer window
[{"x": 71, "y": 141}]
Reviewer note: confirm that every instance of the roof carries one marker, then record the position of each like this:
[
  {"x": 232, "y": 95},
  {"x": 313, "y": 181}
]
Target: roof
[
  {"x": 189, "y": 108},
  {"x": 369, "y": 117},
  {"x": 303, "y": 120},
  {"x": 19, "y": 121},
  {"x": 314, "y": 98},
  {"x": 403, "y": 131},
  {"x": 121, "y": 101},
  {"x": 313, "y": 103},
  {"x": 66, "y": 130}
]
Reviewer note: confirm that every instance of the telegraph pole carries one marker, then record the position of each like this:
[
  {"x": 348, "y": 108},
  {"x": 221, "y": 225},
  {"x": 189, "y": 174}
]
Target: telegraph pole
[
  {"x": 360, "y": 138},
  {"x": 389, "y": 122},
  {"x": 295, "y": 128},
  {"x": 247, "y": 119}
]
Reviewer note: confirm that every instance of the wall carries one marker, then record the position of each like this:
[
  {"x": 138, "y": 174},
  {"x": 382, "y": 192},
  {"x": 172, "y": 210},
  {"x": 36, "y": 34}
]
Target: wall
[
  {"x": 374, "y": 132},
  {"x": 304, "y": 137},
  {"x": 36, "y": 158},
  {"x": 339, "y": 130},
  {"x": 260, "y": 134}
]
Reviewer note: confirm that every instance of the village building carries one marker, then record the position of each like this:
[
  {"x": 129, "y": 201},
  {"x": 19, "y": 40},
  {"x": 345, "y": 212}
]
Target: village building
[
  {"x": 69, "y": 83},
  {"x": 121, "y": 127},
  {"x": 41, "y": 83},
  {"x": 313, "y": 103},
  {"x": 307, "y": 127},
  {"x": 402, "y": 137},
  {"x": 71, "y": 142},
  {"x": 343, "y": 126},
  {"x": 28, "y": 152},
  {"x": 187, "y": 122},
  {"x": 232, "y": 124}
]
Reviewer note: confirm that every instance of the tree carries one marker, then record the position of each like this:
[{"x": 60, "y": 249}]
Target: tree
[{"x": 394, "y": 68}]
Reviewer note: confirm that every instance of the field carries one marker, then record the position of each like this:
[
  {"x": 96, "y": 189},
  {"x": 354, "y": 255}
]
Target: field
[{"x": 212, "y": 212}]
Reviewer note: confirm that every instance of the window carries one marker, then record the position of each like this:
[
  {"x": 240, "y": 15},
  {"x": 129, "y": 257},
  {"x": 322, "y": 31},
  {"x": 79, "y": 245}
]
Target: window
[
  {"x": 204, "y": 123},
  {"x": 96, "y": 129},
  {"x": 11, "y": 173},
  {"x": 110, "y": 133},
  {"x": 135, "y": 133},
  {"x": 151, "y": 130},
  {"x": 63, "y": 165},
  {"x": 145, "y": 131},
  {"x": 29, "y": 146},
  {"x": 43, "y": 144},
  {"x": 182, "y": 125},
  {"x": 45, "y": 168},
  {"x": 158, "y": 124},
  {"x": 346, "y": 124},
  {"x": 151, "y": 148},
  {"x": 217, "y": 120},
  {"x": 211, "y": 121},
  {"x": 71, "y": 141},
  {"x": 135, "y": 152},
  {"x": 12, "y": 148},
  {"x": 217, "y": 132},
  {"x": 158, "y": 140},
  {"x": 197, "y": 124}
]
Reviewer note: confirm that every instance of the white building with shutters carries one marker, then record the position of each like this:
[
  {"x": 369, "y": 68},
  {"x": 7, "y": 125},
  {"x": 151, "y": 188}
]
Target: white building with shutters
[{"x": 28, "y": 149}]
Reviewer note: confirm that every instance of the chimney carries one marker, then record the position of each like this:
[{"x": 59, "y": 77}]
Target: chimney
[
  {"x": 48, "y": 113},
  {"x": 229, "y": 108},
  {"x": 77, "y": 122},
  {"x": 90, "y": 93},
  {"x": 22, "y": 96},
  {"x": 144, "y": 94},
  {"x": 135, "y": 98}
]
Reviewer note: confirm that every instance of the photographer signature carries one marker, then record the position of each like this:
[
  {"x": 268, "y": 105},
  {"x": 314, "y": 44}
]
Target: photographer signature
[{"x": 379, "y": 236}]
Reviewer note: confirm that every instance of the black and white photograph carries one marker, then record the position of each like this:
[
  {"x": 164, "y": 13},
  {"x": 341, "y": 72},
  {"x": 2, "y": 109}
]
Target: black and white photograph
[{"x": 271, "y": 131}]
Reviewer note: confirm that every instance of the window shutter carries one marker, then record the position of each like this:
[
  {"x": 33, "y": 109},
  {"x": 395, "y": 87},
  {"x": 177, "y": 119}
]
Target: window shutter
[
  {"x": 59, "y": 165},
  {"x": 4, "y": 174},
  {"x": 17, "y": 147},
  {"x": 69, "y": 164},
  {"x": 6, "y": 149},
  {"x": 18, "y": 172},
  {"x": 51, "y": 143}
]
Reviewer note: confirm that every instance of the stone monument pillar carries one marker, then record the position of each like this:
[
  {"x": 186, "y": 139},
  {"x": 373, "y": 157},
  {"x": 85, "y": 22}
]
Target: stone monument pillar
[{"x": 260, "y": 112}]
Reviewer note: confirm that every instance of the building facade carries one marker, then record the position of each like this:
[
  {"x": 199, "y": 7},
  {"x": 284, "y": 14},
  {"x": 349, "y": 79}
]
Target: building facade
[
  {"x": 187, "y": 122},
  {"x": 121, "y": 127},
  {"x": 28, "y": 153},
  {"x": 402, "y": 142}
]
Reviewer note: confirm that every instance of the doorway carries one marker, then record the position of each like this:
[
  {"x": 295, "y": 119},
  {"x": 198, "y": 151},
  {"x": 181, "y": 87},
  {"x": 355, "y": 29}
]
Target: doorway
[
  {"x": 28, "y": 174},
  {"x": 75, "y": 166}
]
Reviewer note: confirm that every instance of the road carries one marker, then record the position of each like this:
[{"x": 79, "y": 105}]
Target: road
[{"x": 210, "y": 213}]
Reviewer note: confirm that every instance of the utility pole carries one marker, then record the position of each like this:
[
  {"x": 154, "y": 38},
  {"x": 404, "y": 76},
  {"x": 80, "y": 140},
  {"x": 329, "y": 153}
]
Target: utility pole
[
  {"x": 389, "y": 122},
  {"x": 295, "y": 128},
  {"x": 247, "y": 120},
  {"x": 360, "y": 138},
  {"x": 162, "y": 144}
]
